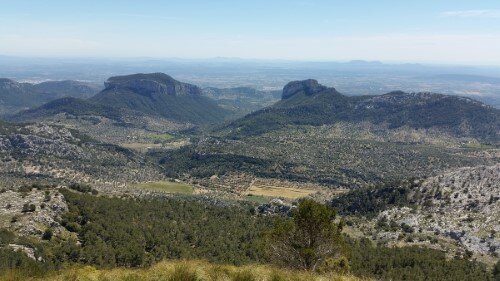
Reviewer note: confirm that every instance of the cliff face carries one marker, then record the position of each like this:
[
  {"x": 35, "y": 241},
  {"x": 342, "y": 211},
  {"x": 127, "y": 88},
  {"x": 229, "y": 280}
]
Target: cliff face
[
  {"x": 146, "y": 84},
  {"x": 308, "y": 87}
]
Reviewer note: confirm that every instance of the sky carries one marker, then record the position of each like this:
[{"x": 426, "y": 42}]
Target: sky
[{"x": 423, "y": 31}]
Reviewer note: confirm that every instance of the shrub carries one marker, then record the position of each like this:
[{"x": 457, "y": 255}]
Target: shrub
[
  {"x": 407, "y": 228},
  {"x": 47, "y": 234},
  {"x": 28, "y": 208}
]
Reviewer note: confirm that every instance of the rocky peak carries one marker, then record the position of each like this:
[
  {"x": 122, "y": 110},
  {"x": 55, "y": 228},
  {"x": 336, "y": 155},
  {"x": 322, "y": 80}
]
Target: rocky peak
[
  {"x": 308, "y": 87},
  {"x": 151, "y": 83}
]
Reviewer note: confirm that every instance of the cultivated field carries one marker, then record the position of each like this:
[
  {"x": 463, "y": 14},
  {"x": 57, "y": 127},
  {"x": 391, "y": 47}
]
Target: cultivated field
[
  {"x": 161, "y": 137},
  {"x": 167, "y": 186},
  {"x": 279, "y": 191},
  {"x": 141, "y": 146}
]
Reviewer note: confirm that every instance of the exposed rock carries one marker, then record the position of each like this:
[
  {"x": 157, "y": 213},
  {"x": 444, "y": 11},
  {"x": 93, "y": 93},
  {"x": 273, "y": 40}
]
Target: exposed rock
[
  {"x": 30, "y": 252},
  {"x": 461, "y": 205},
  {"x": 48, "y": 204},
  {"x": 308, "y": 87},
  {"x": 275, "y": 207},
  {"x": 56, "y": 155},
  {"x": 151, "y": 83}
]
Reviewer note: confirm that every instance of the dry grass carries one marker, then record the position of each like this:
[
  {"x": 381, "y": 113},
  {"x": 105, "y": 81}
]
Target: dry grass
[
  {"x": 167, "y": 186},
  {"x": 141, "y": 146},
  {"x": 187, "y": 271},
  {"x": 279, "y": 191}
]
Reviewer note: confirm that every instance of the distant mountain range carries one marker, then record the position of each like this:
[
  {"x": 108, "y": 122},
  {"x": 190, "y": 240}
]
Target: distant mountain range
[
  {"x": 15, "y": 96},
  {"x": 309, "y": 103}
]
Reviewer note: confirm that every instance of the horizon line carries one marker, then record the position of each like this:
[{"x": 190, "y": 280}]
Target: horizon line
[{"x": 234, "y": 59}]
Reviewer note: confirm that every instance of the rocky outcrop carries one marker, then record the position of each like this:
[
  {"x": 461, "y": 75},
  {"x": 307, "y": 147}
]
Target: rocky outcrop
[
  {"x": 275, "y": 207},
  {"x": 53, "y": 154},
  {"x": 40, "y": 139},
  {"x": 308, "y": 87},
  {"x": 32, "y": 213},
  {"x": 462, "y": 205},
  {"x": 147, "y": 84},
  {"x": 29, "y": 251}
]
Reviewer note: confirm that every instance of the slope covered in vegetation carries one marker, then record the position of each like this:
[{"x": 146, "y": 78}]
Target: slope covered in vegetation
[{"x": 309, "y": 103}]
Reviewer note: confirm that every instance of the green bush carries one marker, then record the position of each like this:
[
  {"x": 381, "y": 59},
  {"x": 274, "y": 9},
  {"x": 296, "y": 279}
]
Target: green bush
[{"x": 47, "y": 234}]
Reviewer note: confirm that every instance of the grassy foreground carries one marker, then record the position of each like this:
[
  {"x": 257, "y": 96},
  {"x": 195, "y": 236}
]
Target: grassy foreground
[{"x": 183, "y": 271}]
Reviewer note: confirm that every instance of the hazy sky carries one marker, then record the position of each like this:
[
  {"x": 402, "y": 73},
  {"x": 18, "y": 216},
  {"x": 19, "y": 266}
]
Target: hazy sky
[{"x": 440, "y": 31}]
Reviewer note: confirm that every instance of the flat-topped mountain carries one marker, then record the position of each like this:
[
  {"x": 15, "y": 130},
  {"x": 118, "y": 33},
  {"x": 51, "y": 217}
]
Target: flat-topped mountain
[
  {"x": 15, "y": 96},
  {"x": 160, "y": 95},
  {"x": 156, "y": 95},
  {"x": 148, "y": 84},
  {"x": 306, "y": 87},
  {"x": 310, "y": 103}
]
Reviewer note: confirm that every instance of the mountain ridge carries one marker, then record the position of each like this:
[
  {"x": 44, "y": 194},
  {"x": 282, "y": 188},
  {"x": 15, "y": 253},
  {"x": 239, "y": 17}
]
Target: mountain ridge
[
  {"x": 309, "y": 103},
  {"x": 16, "y": 96}
]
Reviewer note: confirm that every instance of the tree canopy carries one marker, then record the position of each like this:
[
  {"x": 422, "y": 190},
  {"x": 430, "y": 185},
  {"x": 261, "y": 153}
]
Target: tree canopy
[{"x": 307, "y": 240}]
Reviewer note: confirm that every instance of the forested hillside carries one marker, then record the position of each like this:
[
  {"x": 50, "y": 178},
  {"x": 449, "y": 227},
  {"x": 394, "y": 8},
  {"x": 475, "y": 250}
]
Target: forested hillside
[{"x": 310, "y": 103}]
